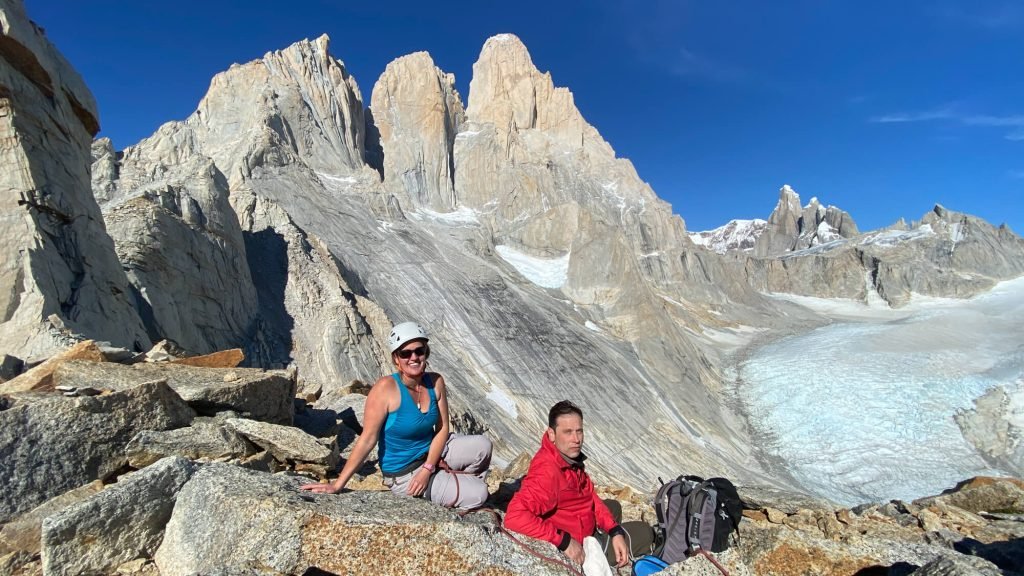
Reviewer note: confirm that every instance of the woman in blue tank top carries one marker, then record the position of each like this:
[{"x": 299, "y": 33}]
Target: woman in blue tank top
[{"x": 406, "y": 416}]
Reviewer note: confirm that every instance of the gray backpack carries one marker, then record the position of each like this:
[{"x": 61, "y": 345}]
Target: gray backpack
[{"x": 695, "y": 515}]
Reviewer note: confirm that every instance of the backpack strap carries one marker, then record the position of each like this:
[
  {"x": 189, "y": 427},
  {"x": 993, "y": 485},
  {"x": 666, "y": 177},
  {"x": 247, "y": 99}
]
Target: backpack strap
[{"x": 691, "y": 504}]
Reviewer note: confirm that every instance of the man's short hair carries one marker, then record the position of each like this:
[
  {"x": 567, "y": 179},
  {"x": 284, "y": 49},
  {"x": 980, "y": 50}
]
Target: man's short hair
[{"x": 561, "y": 409}]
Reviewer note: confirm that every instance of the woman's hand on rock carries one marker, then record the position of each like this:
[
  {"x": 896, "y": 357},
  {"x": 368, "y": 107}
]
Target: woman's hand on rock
[
  {"x": 418, "y": 484},
  {"x": 321, "y": 488}
]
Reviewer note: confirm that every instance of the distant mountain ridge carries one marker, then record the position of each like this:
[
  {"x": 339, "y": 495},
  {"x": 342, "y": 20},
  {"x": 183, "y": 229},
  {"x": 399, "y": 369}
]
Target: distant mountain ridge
[{"x": 740, "y": 235}]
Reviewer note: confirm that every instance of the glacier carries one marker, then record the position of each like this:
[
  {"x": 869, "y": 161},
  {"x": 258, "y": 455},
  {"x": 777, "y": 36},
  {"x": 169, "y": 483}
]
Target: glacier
[{"x": 861, "y": 410}]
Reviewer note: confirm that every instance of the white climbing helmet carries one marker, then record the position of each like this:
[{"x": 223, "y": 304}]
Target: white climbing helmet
[{"x": 405, "y": 332}]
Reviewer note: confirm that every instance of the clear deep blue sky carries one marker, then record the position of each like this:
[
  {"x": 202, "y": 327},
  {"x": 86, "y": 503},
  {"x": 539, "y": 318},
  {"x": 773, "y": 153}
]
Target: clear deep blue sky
[{"x": 882, "y": 108}]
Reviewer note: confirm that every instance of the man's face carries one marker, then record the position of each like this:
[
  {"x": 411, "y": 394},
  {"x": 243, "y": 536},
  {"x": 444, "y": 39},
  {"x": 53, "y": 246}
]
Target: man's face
[{"x": 567, "y": 435}]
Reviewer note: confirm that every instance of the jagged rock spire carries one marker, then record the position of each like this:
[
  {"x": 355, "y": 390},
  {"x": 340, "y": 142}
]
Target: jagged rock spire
[
  {"x": 294, "y": 104},
  {"x": 509, "y": 92},
  {"x": 791, "y": 227}
]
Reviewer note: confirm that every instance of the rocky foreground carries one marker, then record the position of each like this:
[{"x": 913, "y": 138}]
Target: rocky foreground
[{"x": 168, "y": 468}]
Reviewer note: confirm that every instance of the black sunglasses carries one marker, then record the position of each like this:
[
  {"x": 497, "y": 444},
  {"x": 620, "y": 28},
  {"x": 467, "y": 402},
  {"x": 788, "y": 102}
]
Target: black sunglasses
[{"x": 423, "y": 351}]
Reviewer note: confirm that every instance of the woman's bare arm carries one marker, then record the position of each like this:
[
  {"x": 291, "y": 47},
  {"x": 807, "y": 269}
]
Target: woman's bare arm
[{"x": 378, "y": 404}]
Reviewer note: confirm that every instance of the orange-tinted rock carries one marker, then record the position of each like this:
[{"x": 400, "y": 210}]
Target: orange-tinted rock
[
  {"x": 41, "y": 377},
  {"x": 223, "y": 359},
  {"x": 790, "y": 560}
]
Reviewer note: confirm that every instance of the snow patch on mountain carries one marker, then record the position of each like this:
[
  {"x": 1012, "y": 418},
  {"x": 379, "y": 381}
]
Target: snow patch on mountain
[
  {"x": 827, "y": 233},
  {"x": 544, "y": 272},
  {"x": 893, "y": 237},
  {"x": 461, "y": 215},
  {"x": 503, "y": 401}
]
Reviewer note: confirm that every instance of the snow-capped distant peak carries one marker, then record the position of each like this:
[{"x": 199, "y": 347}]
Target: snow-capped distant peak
[{"x": 735, "y": 235}]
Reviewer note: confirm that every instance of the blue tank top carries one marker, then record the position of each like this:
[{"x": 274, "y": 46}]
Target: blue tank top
[{"x": 407, "y": 431}]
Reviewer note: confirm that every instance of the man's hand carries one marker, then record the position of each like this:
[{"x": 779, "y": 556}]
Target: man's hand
[
  {"x": 575, "y": 551},
  {"x": 621, "y": 551},
  {"x": 419, "y": 482}
]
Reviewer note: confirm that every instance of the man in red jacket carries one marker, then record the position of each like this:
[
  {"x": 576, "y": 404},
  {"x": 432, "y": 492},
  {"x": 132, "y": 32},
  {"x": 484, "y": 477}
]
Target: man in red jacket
[{"x": 557, "y": 502}]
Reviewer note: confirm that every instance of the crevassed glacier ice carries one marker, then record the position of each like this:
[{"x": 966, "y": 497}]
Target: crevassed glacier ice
[{"x": 863, "y": 410}]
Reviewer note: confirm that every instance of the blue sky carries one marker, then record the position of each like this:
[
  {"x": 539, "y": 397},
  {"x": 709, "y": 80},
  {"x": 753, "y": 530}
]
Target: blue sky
[{"x": 880, "y": 108}]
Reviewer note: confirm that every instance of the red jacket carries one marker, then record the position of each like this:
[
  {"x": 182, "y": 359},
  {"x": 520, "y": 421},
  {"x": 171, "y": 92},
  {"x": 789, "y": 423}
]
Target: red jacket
[{"x": 556, "y": 499}]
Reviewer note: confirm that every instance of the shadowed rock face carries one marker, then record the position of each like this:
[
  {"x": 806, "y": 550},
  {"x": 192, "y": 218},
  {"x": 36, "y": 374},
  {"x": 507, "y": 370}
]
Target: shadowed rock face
[
  {"x": 57, "y": 257},
  {"x": 52, "y": 445}
]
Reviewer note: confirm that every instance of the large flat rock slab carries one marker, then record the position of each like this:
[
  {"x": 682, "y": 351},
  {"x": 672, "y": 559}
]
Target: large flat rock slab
[
  {"x": 205, "y": 439},
  {"x": 285, "y": 443},
  {"x": 256, "y": 394}
]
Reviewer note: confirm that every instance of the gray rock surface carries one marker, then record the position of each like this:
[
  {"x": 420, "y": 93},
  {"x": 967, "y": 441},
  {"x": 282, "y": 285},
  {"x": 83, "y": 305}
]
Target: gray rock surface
[
  {"x": 735, "y": 235},
  {"x": 53, "y": 444},
  {"x": 319, "y": 423},
  {"x": 122, "y": 523},
  {"x": 313, "y": 319},
  {"x": 348, "y": 408},
  {"x": 269, "y": 286},
  {"x": 203, "y": 440},
  {"x": 946, "y": 254},
  {"x": 57, "y": 257},
  {"x": 783, "y": 225},
  {"x": 234, "y": 520},
  {"x": 757, "y": 497},
  {"x": 257, "y": 394},
  {"x": 982, "y": 494}
]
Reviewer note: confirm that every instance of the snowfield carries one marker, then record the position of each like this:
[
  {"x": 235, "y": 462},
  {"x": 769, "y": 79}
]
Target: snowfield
[{"x": 862, "y": 410}]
